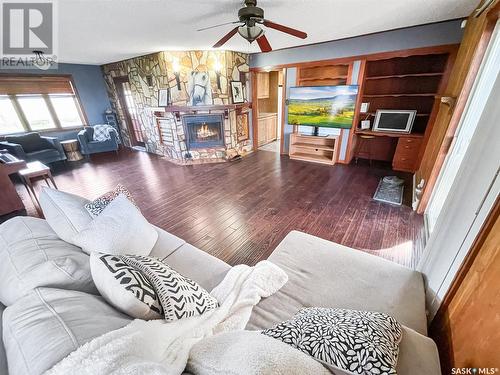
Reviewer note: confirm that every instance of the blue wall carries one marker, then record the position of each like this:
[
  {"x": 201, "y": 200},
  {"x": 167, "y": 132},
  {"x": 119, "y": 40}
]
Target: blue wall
[
  {"x": 89, "y": 82},
  {"x": 436, "y": 34}
]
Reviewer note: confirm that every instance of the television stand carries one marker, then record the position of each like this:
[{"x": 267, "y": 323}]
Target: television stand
[
  {"x": 314, "y": 149},
  {"x": 316, "y": 131}
]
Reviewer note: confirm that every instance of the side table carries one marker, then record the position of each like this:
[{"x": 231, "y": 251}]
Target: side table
[
  {"x": 32, "y": 171},
  {"x": 71, "y": 149}
]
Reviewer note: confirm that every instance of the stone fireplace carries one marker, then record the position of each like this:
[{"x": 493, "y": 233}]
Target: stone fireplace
[
  {"x": 204, "y": 131},
  {"x": 202, "y": 134}
]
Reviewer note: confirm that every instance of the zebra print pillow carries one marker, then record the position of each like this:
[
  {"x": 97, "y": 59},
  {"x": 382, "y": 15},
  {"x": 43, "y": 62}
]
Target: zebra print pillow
[
  {"x": 359, "y": 342},
  {"x": 179, "y": 296},
  {"x": 125, "y": 287}
]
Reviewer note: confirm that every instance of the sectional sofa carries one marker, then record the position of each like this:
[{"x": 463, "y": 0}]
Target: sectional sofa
[{"x": 44, "y": 321}]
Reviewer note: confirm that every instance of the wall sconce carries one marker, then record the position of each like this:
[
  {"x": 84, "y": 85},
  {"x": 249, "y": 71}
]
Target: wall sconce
[
  {"x": 177, "y": 71},
  {"x": 218, "y": 69}
]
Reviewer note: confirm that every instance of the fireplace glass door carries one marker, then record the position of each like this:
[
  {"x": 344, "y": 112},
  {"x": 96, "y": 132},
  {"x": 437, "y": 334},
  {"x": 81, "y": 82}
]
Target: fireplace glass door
[{"x": 204, "y": 131}]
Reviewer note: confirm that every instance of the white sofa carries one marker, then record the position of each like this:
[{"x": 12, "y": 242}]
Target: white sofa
[{"x": 45, "y": 322}]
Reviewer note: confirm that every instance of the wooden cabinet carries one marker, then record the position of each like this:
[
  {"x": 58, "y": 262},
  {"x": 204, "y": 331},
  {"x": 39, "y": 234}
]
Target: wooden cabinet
[
  {"x": 267, "y": 125},
  {"x": 262, "y": 85},
  {"x": 406, "y": 155}
]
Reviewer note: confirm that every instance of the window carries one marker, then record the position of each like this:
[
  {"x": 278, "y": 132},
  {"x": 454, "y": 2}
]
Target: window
[
  {"x": 9, "y": 120},
  {"x": 36, "y": 112},
  {"x": 35, "y": 103},
  {"x": 67, "y": 110}
]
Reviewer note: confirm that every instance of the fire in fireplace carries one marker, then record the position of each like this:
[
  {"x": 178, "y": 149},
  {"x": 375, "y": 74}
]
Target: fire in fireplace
[{"x": 204, "y": 131}]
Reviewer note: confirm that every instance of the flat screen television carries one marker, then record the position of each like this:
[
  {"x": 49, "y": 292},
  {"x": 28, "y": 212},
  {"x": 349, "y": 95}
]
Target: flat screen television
[{"x": 322, "y": 106}]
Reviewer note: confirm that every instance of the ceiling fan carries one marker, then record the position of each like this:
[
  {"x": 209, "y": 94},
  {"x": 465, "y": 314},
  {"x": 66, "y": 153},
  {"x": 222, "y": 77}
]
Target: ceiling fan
[{"x": 250, "y": 17}]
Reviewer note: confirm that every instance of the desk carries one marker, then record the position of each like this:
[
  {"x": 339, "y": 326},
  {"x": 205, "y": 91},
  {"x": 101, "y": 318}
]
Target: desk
[
  {"x": 401, "y": 149},
  {"x": 9, "y": 199}
]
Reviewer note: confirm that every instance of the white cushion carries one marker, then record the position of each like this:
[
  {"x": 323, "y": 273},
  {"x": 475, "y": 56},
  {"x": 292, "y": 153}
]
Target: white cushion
[
  {"x": 45, "y": 326},
  {"x": 32, "y": 255},
  {"x": 64, "y": 212},
  {"x": 124, "y": 287},
  {"x": 119, "y": 229}
]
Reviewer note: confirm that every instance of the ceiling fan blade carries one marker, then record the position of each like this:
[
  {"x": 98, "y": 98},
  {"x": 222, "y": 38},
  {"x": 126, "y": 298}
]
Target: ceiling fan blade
[
  {"x": 285, "y": 29},
  {"x": 226, "y": 37},
  {"x": 222, "y": 24},
  {"x": 264, "y": 44}
]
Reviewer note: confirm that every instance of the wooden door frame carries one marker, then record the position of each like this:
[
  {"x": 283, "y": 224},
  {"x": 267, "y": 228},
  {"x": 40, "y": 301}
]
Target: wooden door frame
[
  {"x": 255, "y": 105},
  {"x": 123, "y": 105},
  {"x": 440, "y": 329},
  {"x": 492, "y": 17}
]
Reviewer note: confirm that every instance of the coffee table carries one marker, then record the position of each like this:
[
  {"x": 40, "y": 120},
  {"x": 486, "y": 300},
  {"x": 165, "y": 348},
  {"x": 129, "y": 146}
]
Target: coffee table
[
  {"x": 71, "y": 149},
  {"x": 32, "y": 171}
]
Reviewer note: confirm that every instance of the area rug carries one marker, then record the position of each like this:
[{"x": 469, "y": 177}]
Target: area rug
[{"x": 390, "y": 190}]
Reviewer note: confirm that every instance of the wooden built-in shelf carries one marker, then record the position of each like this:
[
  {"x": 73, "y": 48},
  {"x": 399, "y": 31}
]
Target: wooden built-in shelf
[
  {"x": 374, "y": 113},
  {"x": 401, "y": 94},
  {"x": 389, "y": 134},
  {"x": 316, "y": 149},
  {"x": 325, "y": 78},
  {"x": 314, "y": 146},
  {"x": 311, "y": 157},
  {"x": 405, "y": 76}
]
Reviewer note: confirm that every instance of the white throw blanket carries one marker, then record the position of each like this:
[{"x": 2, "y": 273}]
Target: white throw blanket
[
  {"x": 102, "y": 132},
  {"x": 158, "y": 347}
]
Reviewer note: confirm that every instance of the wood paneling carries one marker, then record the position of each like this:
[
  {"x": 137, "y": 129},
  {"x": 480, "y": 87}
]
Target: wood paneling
[
  {"x": 240, "y": 211},
  {"x": 467, "y": 326},
  {"x": 468, "y": 60}
]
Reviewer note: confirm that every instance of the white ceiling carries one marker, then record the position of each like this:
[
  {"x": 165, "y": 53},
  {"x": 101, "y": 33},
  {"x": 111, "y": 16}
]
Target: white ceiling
[{"x": 103, "y": 31}]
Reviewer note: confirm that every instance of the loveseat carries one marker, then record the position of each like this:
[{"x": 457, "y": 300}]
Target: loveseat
[
  {"x": 32, "y": 146},
  {"x": 44, "y": 323}
]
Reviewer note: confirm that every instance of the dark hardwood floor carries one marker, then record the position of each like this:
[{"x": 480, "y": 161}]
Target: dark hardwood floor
[{"x": 240, "y": 211}]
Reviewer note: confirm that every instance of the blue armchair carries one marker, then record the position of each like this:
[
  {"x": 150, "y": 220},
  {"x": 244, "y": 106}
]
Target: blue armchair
[
  {"x": 89, "y": 146},
  {"x": 32, "y": 147}
]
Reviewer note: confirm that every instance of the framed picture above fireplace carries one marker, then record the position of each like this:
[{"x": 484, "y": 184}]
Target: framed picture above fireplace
[{"x": 237, "y": 92}]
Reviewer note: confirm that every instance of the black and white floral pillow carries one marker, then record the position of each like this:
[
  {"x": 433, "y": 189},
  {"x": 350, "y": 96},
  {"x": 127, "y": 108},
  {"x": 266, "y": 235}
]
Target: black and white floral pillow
[
  {"x": 360, "y": 342},
  {"x": 179, "y": 296}
]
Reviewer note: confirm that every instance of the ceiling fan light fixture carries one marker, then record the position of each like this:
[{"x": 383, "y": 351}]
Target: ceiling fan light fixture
[{"x": 250, "y": 33}]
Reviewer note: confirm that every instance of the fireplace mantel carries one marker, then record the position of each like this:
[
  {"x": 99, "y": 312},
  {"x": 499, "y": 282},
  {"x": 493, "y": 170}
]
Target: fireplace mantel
[{"x": 240, "y": 108}]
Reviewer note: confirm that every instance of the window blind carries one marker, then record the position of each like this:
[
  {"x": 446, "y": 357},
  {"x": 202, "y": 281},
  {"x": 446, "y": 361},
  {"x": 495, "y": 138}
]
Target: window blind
[{"x": 17, "y": 85}]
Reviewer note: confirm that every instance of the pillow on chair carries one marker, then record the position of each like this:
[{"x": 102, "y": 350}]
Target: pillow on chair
[
  {"x": 125, "y": 287},
  {"x": 64, "y": 212},
  {"x": 350, "y": 340},
  {"x": 95, "y": 207},
  {"x": 119, "y": 229}
]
